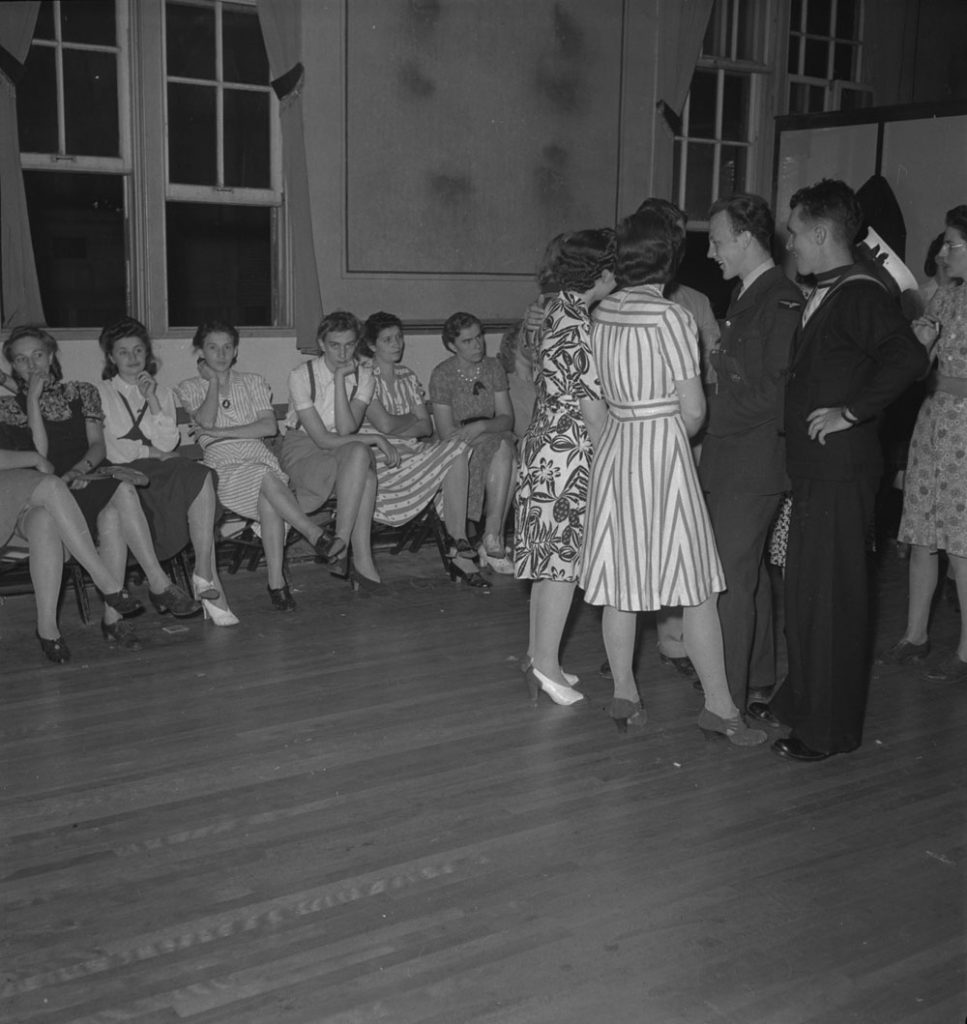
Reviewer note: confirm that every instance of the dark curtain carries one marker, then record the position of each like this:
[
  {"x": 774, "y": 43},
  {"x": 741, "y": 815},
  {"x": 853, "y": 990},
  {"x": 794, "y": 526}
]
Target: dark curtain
[
  {"x": 683, "y": 24},
  {"x": 281, "y": 22},
  {"x": 20, "y": 294}
]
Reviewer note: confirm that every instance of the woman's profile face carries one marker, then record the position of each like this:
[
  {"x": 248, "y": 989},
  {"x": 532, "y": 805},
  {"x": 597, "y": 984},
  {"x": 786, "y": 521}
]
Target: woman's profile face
[
  {"x": 389, "y": 345},
  {"x": 219, "y": 350},
  {"x": 130, "y": 356},
  {"x": 469, "y": 344},
  {"x": 29, "y": 355},
  {"x": 953, "y": 253}
]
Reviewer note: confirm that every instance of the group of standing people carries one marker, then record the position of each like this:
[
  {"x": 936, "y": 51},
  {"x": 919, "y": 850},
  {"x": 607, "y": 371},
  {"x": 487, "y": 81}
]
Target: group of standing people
[{"x": 790, "y": 401}]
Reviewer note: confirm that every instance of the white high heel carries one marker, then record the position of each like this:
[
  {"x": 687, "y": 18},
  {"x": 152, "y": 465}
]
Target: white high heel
[
  {"x": 562, "y": 695},
  {"x": 219, "y": 616},
  {"x": 569, "y": 677}
]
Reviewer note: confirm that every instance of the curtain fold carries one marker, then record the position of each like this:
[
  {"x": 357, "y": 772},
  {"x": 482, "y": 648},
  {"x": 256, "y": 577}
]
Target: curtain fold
[
  {"x": 683, "y": 24},
  {"x": 20, "y": 293},
  {"x": 281, "y": 22}
]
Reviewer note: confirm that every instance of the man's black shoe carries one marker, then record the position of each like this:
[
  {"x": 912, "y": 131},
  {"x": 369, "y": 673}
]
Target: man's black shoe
[{"x": 793, "y": 748}]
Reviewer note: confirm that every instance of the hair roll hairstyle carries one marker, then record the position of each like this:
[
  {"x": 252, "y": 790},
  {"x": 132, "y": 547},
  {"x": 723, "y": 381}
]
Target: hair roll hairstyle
[
  {"x": 374, "y": 326},
  {"x": 650, "y": 247},
  {"x": 213, "y": 327},
  {"x": 582, "y": 257},
  {"x": 454, "y": 325},
  {"x": 833, "y": 201},
  {"x": 49, "y": 342},
  {"x": 126, "y": 327}
]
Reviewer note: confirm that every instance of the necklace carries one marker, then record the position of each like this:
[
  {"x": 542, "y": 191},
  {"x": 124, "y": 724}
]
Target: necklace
[{"x": 470, "y": 381}]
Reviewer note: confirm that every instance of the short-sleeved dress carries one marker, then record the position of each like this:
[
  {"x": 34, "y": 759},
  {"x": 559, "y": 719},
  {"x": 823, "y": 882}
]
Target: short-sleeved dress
[
  {"x": 552, "y": 483},
  {"x": 935, "y": 486},
  {"x": 648, "y": 540},
  {"x": 65, "y": 406},
  {"x": 403, "y": 491},
  {"x": 241, "y": 463},
  {"x": 469, "y": 401}
]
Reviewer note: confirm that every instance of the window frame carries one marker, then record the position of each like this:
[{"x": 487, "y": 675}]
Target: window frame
[{"x": 833, "y": 88}]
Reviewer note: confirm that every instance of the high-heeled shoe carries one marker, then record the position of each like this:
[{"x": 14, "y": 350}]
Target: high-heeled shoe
[
  {"x": 123, "y": 602},
  {"x": 494, "y": 554},
  {"x": 733, "y": 729},
  {"x": 625, "y": 712},
  {"x": 364, "y": 585},
  {"x": 568, "y": 677},
  {"x": 121, "y": 633},
  {"x": 336, "y": 555},
  {"x": 55, "y": 650},
  {"x": 459, "y": 575},
  {"x": 560, "y": 694},
  {"x": 281, "y": 598},
  {"x": 173, "y": 599},
  {"x": 219, "y": 616}
]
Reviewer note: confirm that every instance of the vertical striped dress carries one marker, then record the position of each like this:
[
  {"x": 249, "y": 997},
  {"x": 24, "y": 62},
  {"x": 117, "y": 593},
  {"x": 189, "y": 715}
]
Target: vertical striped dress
[
  {"x": 403, "y": 491},
  {"x": 648, "y": 541}
]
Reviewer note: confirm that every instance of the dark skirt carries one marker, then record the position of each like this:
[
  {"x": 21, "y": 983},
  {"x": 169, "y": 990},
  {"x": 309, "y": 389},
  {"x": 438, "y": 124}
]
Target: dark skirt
[
  {"x": 93, "y": 497},
  {"x": 175, "y": 483}
]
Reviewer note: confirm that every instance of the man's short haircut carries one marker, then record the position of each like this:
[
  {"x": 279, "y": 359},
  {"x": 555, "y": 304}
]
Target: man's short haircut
[
  {"x": 833, "y": 201},
  {"x": 747, "y": 212}
]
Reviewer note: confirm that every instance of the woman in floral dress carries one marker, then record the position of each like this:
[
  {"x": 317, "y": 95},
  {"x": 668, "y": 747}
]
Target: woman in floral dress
[{"x": 552, "y": 483}]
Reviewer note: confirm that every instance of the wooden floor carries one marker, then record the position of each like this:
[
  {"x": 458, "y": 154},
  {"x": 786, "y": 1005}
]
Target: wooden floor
[{"x": 352, "y": 814}]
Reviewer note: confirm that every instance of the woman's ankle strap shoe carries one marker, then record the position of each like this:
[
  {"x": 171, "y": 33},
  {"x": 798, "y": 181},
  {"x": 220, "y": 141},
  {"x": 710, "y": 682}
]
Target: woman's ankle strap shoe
[
  {"x": 123, "y": 602},
  {"x": 173, "y": 599},
  {"x": 281, "y": 598}
]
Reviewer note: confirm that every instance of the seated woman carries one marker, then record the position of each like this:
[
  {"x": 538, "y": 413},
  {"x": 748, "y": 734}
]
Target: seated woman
[
  {"x": 322, "y": 451},
  {"x": 140, "y": 431},
  {"x": 231, "y": 413},
  {"x": 427, "y": 468},
  {"x": 61, "y": 421},
  {"x": 471, "y": 403},
  {"x": 37, "y": 507}
]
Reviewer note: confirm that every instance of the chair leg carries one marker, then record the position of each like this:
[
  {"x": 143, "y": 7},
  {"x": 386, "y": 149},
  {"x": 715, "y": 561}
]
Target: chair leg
[{"x": 80, "y": 592}]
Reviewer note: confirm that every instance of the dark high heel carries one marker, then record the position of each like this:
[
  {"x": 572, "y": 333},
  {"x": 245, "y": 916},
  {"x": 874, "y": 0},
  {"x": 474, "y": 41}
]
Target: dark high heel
[
  {"x": 55, "y": 650},
  {"x": 627, "y": 712},
  {"x": 121, "y": 633},
  {"x": 173, "y": 599},
  {"x": 364, "y": 585},
  {"x": 733, "y": 729},
  {"x": 336, "y": 554},
  {"x": 123, "y": 602},
  {"x": 323, "y": 543},
  {"x": 470, "y": 579},
  {"x": 281, "y": 598}
]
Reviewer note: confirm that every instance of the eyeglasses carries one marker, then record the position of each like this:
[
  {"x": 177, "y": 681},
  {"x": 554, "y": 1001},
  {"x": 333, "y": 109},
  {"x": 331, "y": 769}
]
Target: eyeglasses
[{"x": 952, "y": 245}]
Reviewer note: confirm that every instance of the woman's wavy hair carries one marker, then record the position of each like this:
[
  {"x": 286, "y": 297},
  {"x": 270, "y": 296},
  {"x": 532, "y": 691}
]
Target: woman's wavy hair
[
  {"x": 581, "y": 257},
  {"x": 957, "y": 219},
  {"x": 213, "y": 327},
  {"x": 126, "y": 327},
  {"x": 371, "y": 330},
  {"x": 50, "y": 343},
  {"x": 650, "y": 247},
  {"x": 454, "y": 325}
]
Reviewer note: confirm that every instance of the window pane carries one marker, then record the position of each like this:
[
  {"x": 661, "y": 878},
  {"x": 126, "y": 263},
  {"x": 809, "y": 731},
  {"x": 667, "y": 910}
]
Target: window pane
[
  {"x": 843, "y": 62},
  {"x": 698, "y": 186},
  {"x": 88, "y": 21},
  {"x": 716, "y": 42},
  {"x": 77, "y": 224},
  {"x": 818, "y": 16},
  {"x": 37, "y": 102},
  {"x": 733, "y": 169},
  {"x": 192, "y": 155},
  {"x": 247, "y": 139},
  {"x": 243, "y": 52},
  {"x": 190, "y": 41},
  {"x": 219, "y": 264},
  {"x": 795, "y": 49},
  {"x": 91, "y": 103},
  {"x": 45, "y": 21},
  {"x": 735, "y": 107},
  {"x": 746, "y": 47},
  {"x": 846, "y": 22},
  {"x": 817, "y": 52},
  {"x": 701, "y": 116},
  {"x": 795, "y": 14}
]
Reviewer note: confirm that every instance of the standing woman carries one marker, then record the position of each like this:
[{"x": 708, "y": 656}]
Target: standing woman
[
  {"x": 471, "y": 403},
  {"x": 935, "y": 486},
  {"x": 648, "y": 541},
  {"x": 140, "y": 431},
  {"x": 231, "y": 413},
  {"x": 61, "y": 421},
  {"x": 552, "y": 483}
]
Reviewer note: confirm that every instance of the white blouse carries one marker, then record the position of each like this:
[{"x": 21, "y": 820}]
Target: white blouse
[{"x": 160, "y": 428}]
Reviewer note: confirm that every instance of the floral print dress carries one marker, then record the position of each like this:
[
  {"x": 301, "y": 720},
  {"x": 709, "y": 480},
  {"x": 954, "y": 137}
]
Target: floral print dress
[{"x": 552, "y": 483}]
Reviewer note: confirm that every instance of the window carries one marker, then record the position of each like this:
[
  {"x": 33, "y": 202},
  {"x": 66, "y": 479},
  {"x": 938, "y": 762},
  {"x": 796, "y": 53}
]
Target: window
[
  {"x": 713, "y": 152},
  {"x": 175, "y": 218},
  {"x": 824, "y": 69}
]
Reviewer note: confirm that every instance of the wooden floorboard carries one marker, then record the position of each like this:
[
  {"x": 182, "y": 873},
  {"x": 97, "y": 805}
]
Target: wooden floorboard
[{"x": 352, "y": 814}]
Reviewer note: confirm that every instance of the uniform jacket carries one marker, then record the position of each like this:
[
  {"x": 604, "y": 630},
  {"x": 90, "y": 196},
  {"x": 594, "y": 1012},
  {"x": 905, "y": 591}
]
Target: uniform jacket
[
  {"x": 856, "y": 350},
  {"x": 742, "y": 449}
]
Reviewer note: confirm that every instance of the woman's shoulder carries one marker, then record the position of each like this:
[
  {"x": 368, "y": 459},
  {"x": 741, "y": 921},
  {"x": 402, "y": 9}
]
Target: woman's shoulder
[{"x": 445, "y": 368}]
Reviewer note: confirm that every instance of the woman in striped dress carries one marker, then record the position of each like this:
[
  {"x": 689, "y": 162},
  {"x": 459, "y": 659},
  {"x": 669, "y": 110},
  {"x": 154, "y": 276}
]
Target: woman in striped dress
[
  {"x": 648, "y": 540},
  {"x": 231, "y": 413},
  {"x": 428, "y": 470}
]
